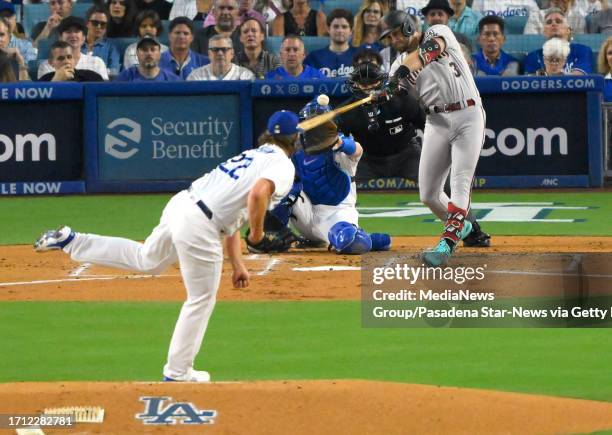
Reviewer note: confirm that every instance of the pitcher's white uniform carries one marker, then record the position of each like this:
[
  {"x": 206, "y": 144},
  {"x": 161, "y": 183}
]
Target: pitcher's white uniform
[
  {"x": 314, "y": 221},
  {"x": 453, "y": 136},
  {"x": 187, "y": 234}
]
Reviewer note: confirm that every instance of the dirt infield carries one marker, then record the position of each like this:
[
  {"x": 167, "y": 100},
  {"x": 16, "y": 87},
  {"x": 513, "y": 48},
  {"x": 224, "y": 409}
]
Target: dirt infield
[
  {"x": 316, "y": 407},
  {"x": 296, "y": 407}
]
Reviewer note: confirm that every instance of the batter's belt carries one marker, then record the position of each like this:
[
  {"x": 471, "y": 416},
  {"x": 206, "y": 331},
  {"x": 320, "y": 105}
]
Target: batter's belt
[{"x": 451, "y": 107}]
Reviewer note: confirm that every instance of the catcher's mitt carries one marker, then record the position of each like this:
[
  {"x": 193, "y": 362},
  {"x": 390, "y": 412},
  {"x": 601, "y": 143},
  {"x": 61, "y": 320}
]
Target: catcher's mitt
[
  {"x": 320, "y": 139},
  {"x": 272, "y": 242}
]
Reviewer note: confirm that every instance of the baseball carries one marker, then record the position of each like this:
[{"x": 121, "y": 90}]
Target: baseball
[{"x": 322, "y": 100}]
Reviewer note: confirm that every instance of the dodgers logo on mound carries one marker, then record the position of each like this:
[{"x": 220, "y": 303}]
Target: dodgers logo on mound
[
  {"x": 173, "y": 413},
  {"x": 115, "y": 145}
]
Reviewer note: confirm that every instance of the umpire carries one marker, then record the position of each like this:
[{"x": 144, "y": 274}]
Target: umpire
[{"x": 387, "y": 132}]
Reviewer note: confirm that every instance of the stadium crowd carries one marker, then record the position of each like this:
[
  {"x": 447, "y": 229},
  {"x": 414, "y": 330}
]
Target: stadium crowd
[{"x": 154, "y": 40}]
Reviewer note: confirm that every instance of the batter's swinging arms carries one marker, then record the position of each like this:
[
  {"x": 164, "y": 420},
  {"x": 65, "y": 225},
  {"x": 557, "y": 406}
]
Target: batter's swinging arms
[
  {"x": 454, "y": 131},
  {"x": 192, "y": 229}
]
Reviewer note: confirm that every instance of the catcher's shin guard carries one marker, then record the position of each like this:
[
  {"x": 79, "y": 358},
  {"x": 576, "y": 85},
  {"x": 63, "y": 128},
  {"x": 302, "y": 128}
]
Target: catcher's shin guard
[
  {"x": 346, "y": 238},
  {"x": 380, "y": 241}
]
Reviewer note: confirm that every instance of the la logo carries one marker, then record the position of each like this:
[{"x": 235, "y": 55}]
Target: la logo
[{"x": 172, "y": 413}]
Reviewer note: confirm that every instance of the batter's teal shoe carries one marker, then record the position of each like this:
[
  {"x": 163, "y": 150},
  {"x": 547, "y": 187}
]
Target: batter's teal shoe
[
  {"x": 54, "y": 239},
  {"x": 443, "y": 251}
]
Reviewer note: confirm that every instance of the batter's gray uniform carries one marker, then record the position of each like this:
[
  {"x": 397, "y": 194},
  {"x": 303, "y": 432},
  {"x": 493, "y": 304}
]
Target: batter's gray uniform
[
  {"x": 454, "y": 128},
  {"x": 191, "y": 230}
]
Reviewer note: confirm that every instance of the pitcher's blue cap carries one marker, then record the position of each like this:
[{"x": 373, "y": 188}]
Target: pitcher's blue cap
[{"x": 283, "y": 122}]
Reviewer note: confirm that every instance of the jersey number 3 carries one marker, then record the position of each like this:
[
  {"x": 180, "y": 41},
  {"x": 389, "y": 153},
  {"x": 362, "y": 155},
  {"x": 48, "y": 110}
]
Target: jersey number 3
[
  {"x": 455, "y": 68},
  {"x": 232, "y": 166}
]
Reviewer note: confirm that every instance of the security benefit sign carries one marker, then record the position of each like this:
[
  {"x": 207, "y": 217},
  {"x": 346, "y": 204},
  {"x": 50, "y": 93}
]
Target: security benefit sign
[
  {"x": 165, "y": 138},
  {"x": 535, "y": 134},
  {"x": 41, "y": 141}
]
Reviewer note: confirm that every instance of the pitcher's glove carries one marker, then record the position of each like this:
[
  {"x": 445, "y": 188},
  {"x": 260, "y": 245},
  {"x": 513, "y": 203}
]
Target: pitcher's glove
[{"x": 272, "y": 242}]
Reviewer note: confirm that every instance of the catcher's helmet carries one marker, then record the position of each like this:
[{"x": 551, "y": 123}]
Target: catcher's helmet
[
  {"x": 366, "y": 75},
  {"x": 398, "y": 19}
]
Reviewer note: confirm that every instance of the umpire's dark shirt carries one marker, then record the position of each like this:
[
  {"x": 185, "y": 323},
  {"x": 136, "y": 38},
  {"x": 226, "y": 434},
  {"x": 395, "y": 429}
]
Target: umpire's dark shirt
[
  {"x": 80, "y": 75},
  {"x": 397, "y": 120}
]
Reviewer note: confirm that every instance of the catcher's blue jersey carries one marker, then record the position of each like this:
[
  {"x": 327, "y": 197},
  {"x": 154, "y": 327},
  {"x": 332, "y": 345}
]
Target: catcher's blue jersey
[{"x": 323, "y": 181}]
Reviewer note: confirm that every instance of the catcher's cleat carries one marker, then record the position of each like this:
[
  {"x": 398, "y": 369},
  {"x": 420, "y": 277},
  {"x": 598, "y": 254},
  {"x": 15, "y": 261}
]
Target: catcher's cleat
[
  {"x": 304, "y": 243},
  {"x": 443, "y": 251},
  {"x": 191, "y": 376},
  {"x": 477, "y": 238},
  {"x": 54, "y": 239}
]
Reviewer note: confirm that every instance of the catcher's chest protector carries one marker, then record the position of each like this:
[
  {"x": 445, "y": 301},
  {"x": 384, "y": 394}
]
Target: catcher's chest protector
[{"x": 323, "y": 181}]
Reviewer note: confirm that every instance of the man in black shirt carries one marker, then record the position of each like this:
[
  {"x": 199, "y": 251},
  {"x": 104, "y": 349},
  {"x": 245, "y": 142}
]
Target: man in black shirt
[
  {"x": 60, "y": 58},
  {"x": 387, "y": 132}
]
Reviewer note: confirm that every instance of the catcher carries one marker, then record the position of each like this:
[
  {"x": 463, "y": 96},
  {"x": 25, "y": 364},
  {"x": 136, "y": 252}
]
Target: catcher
[{"x": 321, "y": 204}]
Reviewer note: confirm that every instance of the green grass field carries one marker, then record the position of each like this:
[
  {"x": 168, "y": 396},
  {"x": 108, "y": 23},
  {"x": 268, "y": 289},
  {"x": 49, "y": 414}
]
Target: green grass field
[{"x": 294, "y": 340}]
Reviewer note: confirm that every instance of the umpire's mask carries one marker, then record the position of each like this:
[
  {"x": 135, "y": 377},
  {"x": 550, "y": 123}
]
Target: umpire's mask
[{"x": 366, "y": 78}]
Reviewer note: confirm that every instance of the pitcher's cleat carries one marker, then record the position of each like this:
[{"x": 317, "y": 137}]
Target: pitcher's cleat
[
  {"x": 54, "y": 239},
  {"x": 191, "y": 376}
]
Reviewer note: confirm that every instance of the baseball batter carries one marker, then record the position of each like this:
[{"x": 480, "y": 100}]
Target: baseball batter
[
  {"x": 192, "y": 229},
  {"x": 453, "y": 135}
]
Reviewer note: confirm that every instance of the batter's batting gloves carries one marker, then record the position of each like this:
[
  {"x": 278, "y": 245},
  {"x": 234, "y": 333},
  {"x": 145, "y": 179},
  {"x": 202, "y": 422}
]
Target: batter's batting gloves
[{"x": 347, "y": 145}]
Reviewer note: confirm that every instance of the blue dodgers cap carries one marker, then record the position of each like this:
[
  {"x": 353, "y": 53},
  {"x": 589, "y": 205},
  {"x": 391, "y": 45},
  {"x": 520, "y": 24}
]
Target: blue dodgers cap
[
  {"x": 6, "y": 6},
  {"x": 283, "y": 122}
]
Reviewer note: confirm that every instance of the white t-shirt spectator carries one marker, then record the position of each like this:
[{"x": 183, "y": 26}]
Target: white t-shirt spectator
[
  {"x": 92, "y": 63},
  {"x": 575, "y": 19},
  {"x": 235, "y": 73},
  {"x": 505, "y": 8},
  {"x": 412, "y": 7}
]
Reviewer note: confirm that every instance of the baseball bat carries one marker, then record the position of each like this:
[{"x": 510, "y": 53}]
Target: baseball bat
[{"x": 315, "y": 121}]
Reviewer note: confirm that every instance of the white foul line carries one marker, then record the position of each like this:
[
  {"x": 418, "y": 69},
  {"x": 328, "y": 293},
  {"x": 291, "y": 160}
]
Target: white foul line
[
  {"x": 325, "y": 268},
  {"x": 105, "y": 278},
  {"x": 79, "y": 270},
  {"x": 273, "y": 262}
]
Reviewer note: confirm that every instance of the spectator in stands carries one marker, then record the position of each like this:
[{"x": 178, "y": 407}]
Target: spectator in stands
[
  {"x": 221, "y": 66},
  {"x": 292, "y": 54},
  {"x": 196, "y": 10},
  {"x": 491, "y": 60},
  {"x": 437, "y": 12},
  {"x": 399, "y": 45},
  {"x": 180, "y": 59},
  {"x": 580, "y": 57},
  {"x": 7, "y": 70},
  {"x": 72, "y": 30},
  {"x": 505, "y": 8},
  {"x": 15, "y": 57},
  {"x": 601, "y": 21},
  {"x": 97, "y": 44},
  {"x": 25, "y": 48},
  {"x": 161, "y": 7},
  {"x": 147, "y": 23},
  {"x": 604, "y": 59},
  {"x": 574, "y": 12},
  {"x": 412, "y": 7},
  {"x": 270, "y": 9},
  {"x": 300, "y": 20},
  {"x": 62, "y": 64},
  {"x": 148, "y": 50},
  {"x": 226, "y": 16},
  {"x": 366, "y": 31},
  {"x": 245, "y": 11},
  {"x": 464, "y": 19},
  {"x": 253, "y": 56},
  {"x": 122, "y": 13},
  {"x": 58, "y": 10},
  {"x": 555, "y": 52},
  {"x": 337, "y": 59}
]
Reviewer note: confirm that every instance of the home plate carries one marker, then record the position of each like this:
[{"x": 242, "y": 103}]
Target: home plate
[{"x": 325, "y": 268}]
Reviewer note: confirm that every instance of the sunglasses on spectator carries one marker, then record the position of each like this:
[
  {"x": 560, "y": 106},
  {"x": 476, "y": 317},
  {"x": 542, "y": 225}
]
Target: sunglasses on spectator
[
  {"x": 219, "y": 49},
  {"x": 551, "y": 21},
  {"x": 97, "y": 23}
]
